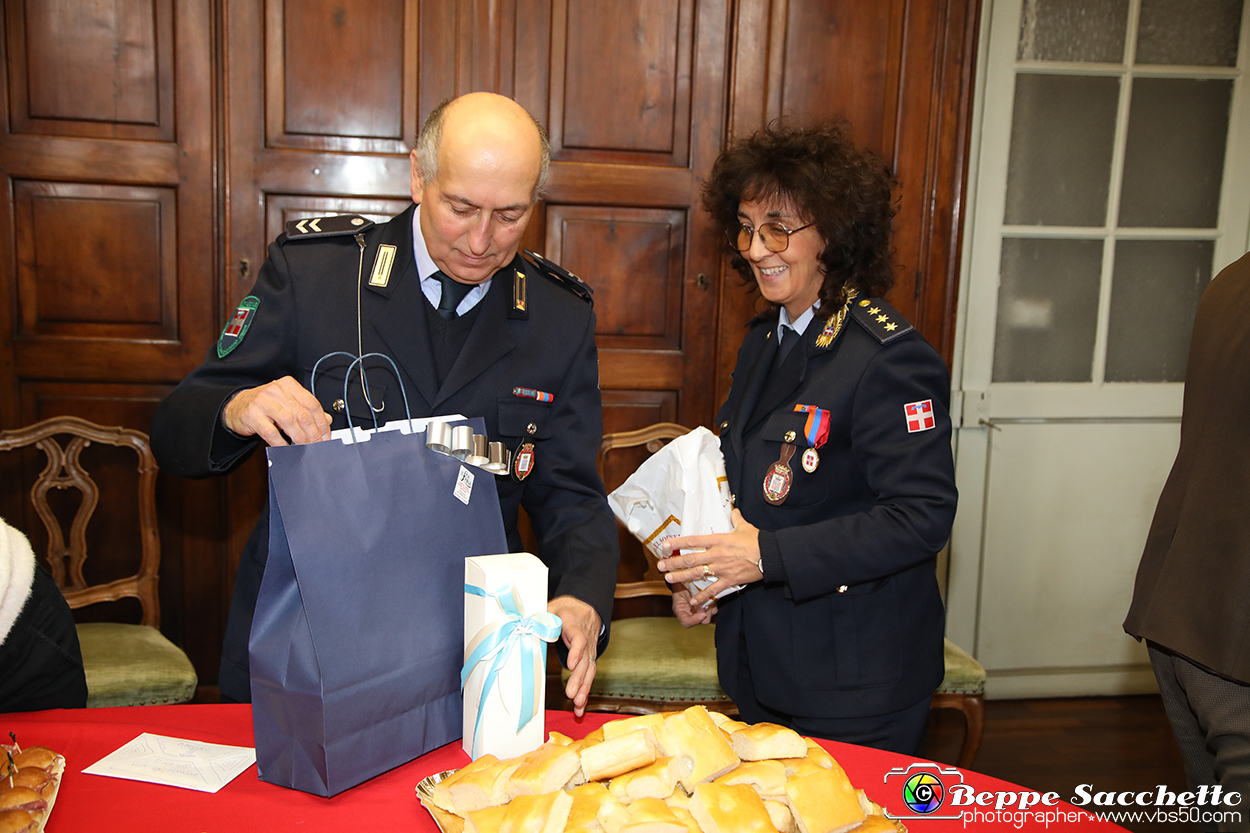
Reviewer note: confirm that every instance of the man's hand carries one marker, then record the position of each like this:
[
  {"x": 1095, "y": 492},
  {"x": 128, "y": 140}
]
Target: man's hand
[
  {"x": 279, "y": 407},
  {"x": 579, "y": 629}
]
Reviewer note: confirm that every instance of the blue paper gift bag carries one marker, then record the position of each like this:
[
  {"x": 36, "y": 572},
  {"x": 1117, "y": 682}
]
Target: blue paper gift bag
[{"x": 357, "y": 641}]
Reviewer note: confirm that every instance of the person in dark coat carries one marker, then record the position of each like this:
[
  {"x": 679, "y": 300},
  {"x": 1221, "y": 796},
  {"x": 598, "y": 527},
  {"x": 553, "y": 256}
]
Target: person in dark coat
[
  {"x": 1191, "y": 601},
  {"x": 40, "y": 659},
  {"x": 837, "y": 445},
  {"x": 475, "y": 329}
]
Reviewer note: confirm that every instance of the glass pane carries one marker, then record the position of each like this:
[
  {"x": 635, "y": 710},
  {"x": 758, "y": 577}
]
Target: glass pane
[
  {"x": 1062, "y": 134},
  {"x": 1073, "y": 30},
  {"x": 1174, "y": 160},
  {"x": 1154, "y": 296},
  {"x": 1047, "y": 310},
  {"x": 1189, "y": 32}
]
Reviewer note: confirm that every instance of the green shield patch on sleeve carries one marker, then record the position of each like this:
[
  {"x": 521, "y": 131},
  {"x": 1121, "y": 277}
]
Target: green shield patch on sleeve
[{"x": 236, "y": 328}]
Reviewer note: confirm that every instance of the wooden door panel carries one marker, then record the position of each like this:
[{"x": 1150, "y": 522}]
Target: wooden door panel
[
  {"x": 336, "y": 76},
  {"x": 96, "y": 260},
  {"x": 633, "y": 259},
  {"x": 91, "y": 69},
  {"x": 624, "y": 82}
]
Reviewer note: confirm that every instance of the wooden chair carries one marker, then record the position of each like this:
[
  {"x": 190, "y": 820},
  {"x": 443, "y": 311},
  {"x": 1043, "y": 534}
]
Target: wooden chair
[
  {"x": 126, "y": 664},
  {"x": 653, "y": 663},
  {"x": 963, "y": 689}
]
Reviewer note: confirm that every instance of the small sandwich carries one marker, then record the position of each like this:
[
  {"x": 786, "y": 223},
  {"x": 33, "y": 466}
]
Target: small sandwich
[
  {"x": 440, "y": 793},
  {"x": 22, "y": 798},
  {"x": 656, "y": 780},
  {"x": 823, "y": 801},
  {"x": 719, "y": 808},
  {"x": 618, "y": 755},
  {"x": 767, "y": 740},
  {"x": 18, "y": 821},
  {"x": 693, "y": 736}
]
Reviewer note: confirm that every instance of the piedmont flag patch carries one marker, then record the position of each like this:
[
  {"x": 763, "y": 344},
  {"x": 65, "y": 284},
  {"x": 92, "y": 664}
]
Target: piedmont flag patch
[
  {"x": 919, "y": 415},
  {"x": 236, "y": 327}
]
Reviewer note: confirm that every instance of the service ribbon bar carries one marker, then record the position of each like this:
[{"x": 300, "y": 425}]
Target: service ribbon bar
[
  {"x": 530, "y": 393},
  {"x": 495, "y": 643}
]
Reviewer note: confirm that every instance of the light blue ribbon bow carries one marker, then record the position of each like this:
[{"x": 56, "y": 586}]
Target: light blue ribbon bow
[{"x": 497, "y": 640}]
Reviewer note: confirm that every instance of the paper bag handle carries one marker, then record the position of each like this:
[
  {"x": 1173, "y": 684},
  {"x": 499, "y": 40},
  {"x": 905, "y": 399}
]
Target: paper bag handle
[{"x": 364, "y": 379}]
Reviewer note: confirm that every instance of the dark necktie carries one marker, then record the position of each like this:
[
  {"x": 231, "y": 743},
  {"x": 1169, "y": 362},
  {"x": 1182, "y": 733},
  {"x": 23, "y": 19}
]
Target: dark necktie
[
  {"x": 453, "y": 294},
  {"x": 788, "y": 337}
]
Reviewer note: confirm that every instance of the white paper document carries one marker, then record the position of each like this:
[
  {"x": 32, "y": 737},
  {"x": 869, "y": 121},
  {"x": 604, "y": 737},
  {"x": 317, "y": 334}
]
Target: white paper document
[{"x": 189, "y": 764}]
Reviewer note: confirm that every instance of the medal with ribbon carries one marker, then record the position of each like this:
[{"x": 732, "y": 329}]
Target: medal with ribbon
[
  {"x": 817, "y": 432},
  {"x": 496, "y": 641}
]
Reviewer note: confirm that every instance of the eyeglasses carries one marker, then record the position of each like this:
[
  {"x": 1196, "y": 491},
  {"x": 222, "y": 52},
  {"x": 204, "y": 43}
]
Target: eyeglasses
[{"x": 774, "y": 236}]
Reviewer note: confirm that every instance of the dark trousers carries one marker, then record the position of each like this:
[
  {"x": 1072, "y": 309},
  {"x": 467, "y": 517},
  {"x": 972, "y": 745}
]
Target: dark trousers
[
  {"x": 40, "y": 661},
  {"x": 1210, "y": 717},
  {"x": 899, "y": 731}
]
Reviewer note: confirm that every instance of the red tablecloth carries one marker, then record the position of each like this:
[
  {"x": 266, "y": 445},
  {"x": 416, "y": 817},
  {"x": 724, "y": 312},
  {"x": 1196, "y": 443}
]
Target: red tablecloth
[{"x": 386, "y": 803}]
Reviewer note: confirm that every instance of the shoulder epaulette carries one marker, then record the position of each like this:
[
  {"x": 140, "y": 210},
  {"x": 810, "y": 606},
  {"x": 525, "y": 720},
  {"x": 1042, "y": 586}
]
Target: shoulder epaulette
[
  {"x": 314, "y": 227},
  {"x": 562, "y": 276},
  {"x": 882, "y": 321}
]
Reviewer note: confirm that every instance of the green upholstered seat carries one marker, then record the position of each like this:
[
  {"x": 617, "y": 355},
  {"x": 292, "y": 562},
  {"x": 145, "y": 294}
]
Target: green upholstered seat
[
  {"x": 655, "y": 658},
  {"x": 964, "y": 675},
  {"x": 133, "y": 665}
]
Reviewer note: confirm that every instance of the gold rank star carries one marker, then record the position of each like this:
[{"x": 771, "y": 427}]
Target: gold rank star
[
  {"x": 874, "y": 311},
  {"x": 881, "y": 319},
  {"x": 889, "y": 328}
]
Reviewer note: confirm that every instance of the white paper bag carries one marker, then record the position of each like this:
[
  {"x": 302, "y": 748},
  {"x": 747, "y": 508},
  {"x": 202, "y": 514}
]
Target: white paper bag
[{"x": 680, "y": 490}]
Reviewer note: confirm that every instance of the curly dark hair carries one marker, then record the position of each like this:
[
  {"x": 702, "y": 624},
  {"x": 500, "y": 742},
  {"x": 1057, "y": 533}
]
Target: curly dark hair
[{"x": 820, "y": 175}]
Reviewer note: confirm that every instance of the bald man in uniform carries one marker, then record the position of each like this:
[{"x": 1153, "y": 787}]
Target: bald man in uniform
[{"x": 474, "y": 328}]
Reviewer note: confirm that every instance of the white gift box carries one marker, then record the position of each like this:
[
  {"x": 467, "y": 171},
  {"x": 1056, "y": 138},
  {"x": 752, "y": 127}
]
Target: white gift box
[{"x": 506, "y": 623}]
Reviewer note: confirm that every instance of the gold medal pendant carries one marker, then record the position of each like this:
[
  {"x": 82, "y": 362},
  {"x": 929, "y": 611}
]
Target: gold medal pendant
[
  {"x": 778, "y": 477},
  {"x": 811, "y": 459}
]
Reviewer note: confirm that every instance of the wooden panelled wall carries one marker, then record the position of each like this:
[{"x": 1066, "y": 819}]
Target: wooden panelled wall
[{"x": 152, "y": 148}]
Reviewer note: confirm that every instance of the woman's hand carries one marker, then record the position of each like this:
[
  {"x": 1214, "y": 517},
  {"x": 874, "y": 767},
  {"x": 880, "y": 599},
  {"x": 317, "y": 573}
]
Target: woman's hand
[
  {"x": 688, "y": 615},
  {"x": 732, "y": 557}
]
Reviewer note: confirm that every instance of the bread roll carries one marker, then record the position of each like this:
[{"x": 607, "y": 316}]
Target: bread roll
[
  {"x": 767, "y": 740},
  {"x": 621, "y": 754},
  {"x": 656, "y": 780},
  {"x": 584, "y": 812},
  {"x": 537, "y": 813},
  {"x": 546, "y": 769},
  {"x": 693, "y": 736},
  {"x": 879, "y": 824},
  {"x": 652, "y": 815},
  {"x": 781, "y": 816},
  {"x": 723, "y": 809},
  {"x": 486, "y": 820},
  {"x": 486, "y": 787},
  {"x": 823, "y": 801},
  {"x": 649, "y": 722},
  {"x": 767, "y": 778}
]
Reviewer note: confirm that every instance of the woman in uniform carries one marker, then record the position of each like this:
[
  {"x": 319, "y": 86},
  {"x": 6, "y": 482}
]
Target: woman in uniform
[{"x": 836, "y": 437}]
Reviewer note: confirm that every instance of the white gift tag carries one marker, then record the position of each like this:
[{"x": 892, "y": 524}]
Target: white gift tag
[{"x": 464, "y": 486}]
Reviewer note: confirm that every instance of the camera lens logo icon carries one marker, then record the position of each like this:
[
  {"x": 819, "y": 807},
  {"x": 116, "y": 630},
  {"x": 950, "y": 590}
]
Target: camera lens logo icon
[{"x": 923, "y": 793}]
